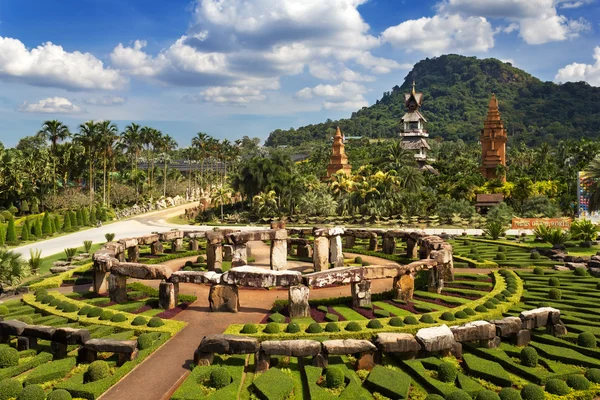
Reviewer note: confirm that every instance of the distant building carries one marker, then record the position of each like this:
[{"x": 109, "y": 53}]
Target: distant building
[
  {"x": 493, "y": 143},
  {"x": 339, "y": 159},
  {"x": 413, "y": 135}
]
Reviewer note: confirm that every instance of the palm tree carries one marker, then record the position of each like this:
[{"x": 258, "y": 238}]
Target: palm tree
[
  {"x": 88, "y": 137},
  {"x": 221, "y": 196},
  {"x": 11, "y": 267},
  {"x": 131, "y": 142},
  {"x": 265, "y": 203},
  {"x": 109, "y": 134},
  {"x": 54, "y": 131},
  {"x": 166, "y": 143},
  {"x": 201, "y": 142}
]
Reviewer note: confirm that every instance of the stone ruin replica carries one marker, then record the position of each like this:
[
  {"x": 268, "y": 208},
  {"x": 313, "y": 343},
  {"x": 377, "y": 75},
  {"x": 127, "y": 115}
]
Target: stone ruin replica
[{"x": 116, "y": 261}]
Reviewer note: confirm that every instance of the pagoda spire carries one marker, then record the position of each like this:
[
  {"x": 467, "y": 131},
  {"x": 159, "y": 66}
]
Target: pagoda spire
[
  {"x": 414, "y": 89},
  {"x": 493, "y": 142},
  {"x": 339, "y": 160}
]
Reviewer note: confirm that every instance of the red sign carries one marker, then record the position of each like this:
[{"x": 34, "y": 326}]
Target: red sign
[{"x": 532, "y": 223}]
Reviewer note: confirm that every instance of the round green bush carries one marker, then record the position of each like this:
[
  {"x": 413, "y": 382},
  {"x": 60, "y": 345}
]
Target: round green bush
[
  {"x": 489, "y": 305},
  {"x": 535, "y": 256},
  {"x": 538, "y": 271},
  {"x": 145, "y": 341},
  {"x": 353, "y": 326},
  {"x": 578, "y": 382},
  {"x": 494, "y": 300},
  {"x": 84, "y": 310},
  {"x": 501, "y": 249},
  {"x": 9, "y": 357},
  {"x": 481, "y": 308},
  {"x": 46, "y": 299},
  {"x": 374, "y": 324},
  {"x": 506, "y": 293},
  {"x": 532, "y": 392},
  {"x": 459, "y": 395},
  {"x": 10, "y": 389},
  {"x": 593, "y": 375},
  {"x": 469, "y": 311},
  {"x": 95, "y": 312},
  {"x": 334, "y": 377},
  {"x": 70, "y": 307},
  {"x": 25, "y": 319},
  {"x": 557, "y": 386},
  {"x": 118, "y": 318},
  {"x": 292, "y": 327},
  {"x": 554, "y": 294},
  {"x": 500, "y": 297},
  {"x": 434, "y": 397},
  {"x": 54, "y": 302},
  {"x": 427, "y": 319},
  {"x": 188, "y": 269},
  {"x": 447, "y": 372},
  {"x": 219, "y": 378},
  {"x": 272, "y": 327},
  {"x": 529, "y": 357},
  {"x": 97, "y": 370},
  {"x": 332, "y": 327},
  {"x": 249, "y": 328},
  {"x": 106, "y": 315},
  {"x": 41, "y": 292},
  {"x": 553, "y": 281},
  {"x": 200, "y": 260},
  {"x": 501, "y": 257},
  {"x": 448, "y": 316},
  {"x": 586, "y": 339},
  {"x": 410, "y": 320},
  {"x": 155, "y": 322},
  {"x": 580, "y": 271},
  {"x": 32, "y": 392},
  {"x": 460, "y": 315},
  {"x": 358, "y": 260},
  {"x": 188, "y": 264},
  {"x": 314, "y": 328},
  {"x": 139, "y": 320},
  {"x": 59, "y": 394},
  {"x": 3, "y": 310},
  {"x": 396, "y": 321},
  {"x": 509, "y": 394},
  {"x": 487, "y": 395}
]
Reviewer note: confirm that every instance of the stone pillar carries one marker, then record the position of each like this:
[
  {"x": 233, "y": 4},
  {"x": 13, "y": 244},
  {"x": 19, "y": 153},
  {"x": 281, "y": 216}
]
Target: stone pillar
[
  {"x": 278, "y": 254},
  {"x": 120, "y": 256},
  {"x": 305, "y": 250},
  {"x": 350, "y": 241},
  {"x": 193, "y": 245},
  {"x": 336, "y": 256},
  {"x": 389, "y": 244},
  {"x": 411, "y": 248},
  {"x": 157, "y": 248},
  {"x": 23, "y": 343},
  {"x": 59, "y": 350},
  {"x": 321, "y": 254},
  {"x": 404, "y": 287},
  {"x": 167, "y": 295},
  {"x": 227, "y": 252},
  {"x": 133, "y": 254},
  {"x": 361, "y": 293},
  {"x": 263, "y": 362},
  {"x": 240, "y": 255},
  {"x": 176, "y": 245},
  {"x": 117, "y": 288},
  {"x": 224, "y": 298},
  {"x": 203, "y": 359},
  {"x": 86, "y": 356},
  {"x": 298, "y": 301},
  {"x": 100, "y": 281},
  {"x": 373, "y": 243},
  {"x": 214, "y": 256}
]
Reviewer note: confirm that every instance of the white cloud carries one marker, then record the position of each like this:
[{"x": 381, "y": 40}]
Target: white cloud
[
  {"x": 337, "y": 71},
  {"x": 49, "y": 65},
  {"x": 344, "y": 96},
  {"x": 105, "y": 101},
  {"x": 441, "y": 33},
  {"x": 51, "y": 105},
  {"x": 228, "y": 95},
  {"x": 577, "y": 72},
  {"x": 575, "y": 4}
]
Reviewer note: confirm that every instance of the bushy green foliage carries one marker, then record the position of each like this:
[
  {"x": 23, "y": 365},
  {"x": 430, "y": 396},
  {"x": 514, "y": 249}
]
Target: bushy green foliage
[
  {"x": 529, "y": 357},
  {"x": 332, "y": 327},
  {"x": 584, "y": 230},
  {"x": 106, "y": 315},
  {"x": 410, "y": 320},
  {"x": 396, "y": 321},
  {"x": 46, "y": 225},
  {"x": 500, "y": 257},
  {"x": 9, "y": 357},
  {"x": 487, "y": 395},
  {"x": 272, "y": 327},
  {"x": 509, "y": 393},
  {"x": 277, "y": 317},
  {"x": 586, "y": 339},
  {"x": 554, "y": 294},
  {"x": 374, "y": 324},
  {"x": 447, "y": 372},
  {"x": 353, "y": 326},
  {"x": 481, "y": 308},
  {"x": 557, "y": 386},
  {"x": 200, "y": 260},
  {"x": 314, "y": 328},
  {"x": 137, "y": 321},
  {"x": 118, "y": 318},
  {"x": 553, "y": 281},
  {"x": 11, "y": 231},
  {"x": 490, "y": 305},
  {"x": 460, "y": 315},
  {"x": 3, "y": 310},
  {"x": 434, "y": 397},
  {"x": 334, "y": 377},
  {"x": 32, "y": 392},
  {"x": 578, "y": 382},
  {"x": 145, "y": 340},
  {"x": 25, "y": 228},
  {"x": 358, "y": 260},
  {"x": 469, "y": 311},
  {"x": 155, "y": 322},
  {"x": 97, "y": 370},
  {"x": 459, "y": 395},
  {"x": 249, "y": 329},
  {"x": 535, "y": 255},
  {"x": 10, "y": 388},
  {"x": 494, "y": 229},
  {"x": 448, "y": 316},
  {"x": 553, "y": 235},
  {"x": 580, "y": 271},
  {"x": 59, "y": 394},
  {"x": 532, "y": 392},
  {"x": 219, "y": 377},
  {"x": 427, "y": 319},
  {"x": 292, "y": 327},
  {"x": 593, "y": 375},
  {"x": 84, "y": 310},
  {"x": 538, "y": 271}
]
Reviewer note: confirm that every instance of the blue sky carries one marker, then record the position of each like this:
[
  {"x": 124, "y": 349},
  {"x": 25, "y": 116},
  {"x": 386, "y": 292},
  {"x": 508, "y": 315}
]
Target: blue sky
[{"x": 246, "y": 67}]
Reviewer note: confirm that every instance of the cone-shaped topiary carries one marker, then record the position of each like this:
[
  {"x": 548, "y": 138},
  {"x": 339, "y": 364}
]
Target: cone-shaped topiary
[
  {"x": 57, "y": 224},
  {"x": 25, "y": 230},
  {"x": 37, "y": 228},
  {"x": 46, "y": 228},
  {"x": 67, "y": 222},
  {"x": 11, "y": 231}
]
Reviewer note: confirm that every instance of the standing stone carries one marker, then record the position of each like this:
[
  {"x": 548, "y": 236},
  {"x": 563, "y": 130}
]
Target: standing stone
[
  {"x": 240, "y": 255},
  {"x": 278, "y": 254},
  {"x": 350, "y": 241},
  {"x": 100, "y": 281},
  {"x": 167, "y": 295},
  {"x": 321, "y": 254},
  {"x": 373, "y": 243},
  {"x": 121, "y": 256},
  {"x": 193, "y": 245},
  {"x": 22, "y": 343},
  {"x": 336, "y": 256},
  {"x": 361, "y": 293},
  {"x": 117, "y": 288},
  {"x": 214, "y": 257},
  {"x": 407, "y": 286},
  {"x": 157, "y": 248},
  {"x": 389, "y": 244},
  {"x": 305, "y": 250},
  {"x": 133, "y": 254},
  {"x": 224, "y": 298},
  {"x": 523, "y": 337},
  {"x": 411, "y": 248},
  {"x": 227, "y": 252},
  {"x": 176, "y": 245},
  {"x": 298, "y": 301}
]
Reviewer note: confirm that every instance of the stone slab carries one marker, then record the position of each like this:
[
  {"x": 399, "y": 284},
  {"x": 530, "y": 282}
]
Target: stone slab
[
  {"x": 292, "y": 348},
  {"x": 141, "y": 271},
  {"x": 347, "y": 346},
  {"x": 437, "y": 338},
  {"x": 260, "y": 277},
  {"x": 333, "y": 276},
  {"x": 228, "y": 344},
  {"x": 111, "y": 345},
  {"x": 397, "y": 343}
]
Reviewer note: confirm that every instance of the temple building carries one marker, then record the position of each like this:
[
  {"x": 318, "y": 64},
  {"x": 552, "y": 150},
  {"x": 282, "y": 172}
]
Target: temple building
[
  {"x": 339, "y": 159},
  {"x": 413, "y": 135},
  {"x": 493, "y": 143}
]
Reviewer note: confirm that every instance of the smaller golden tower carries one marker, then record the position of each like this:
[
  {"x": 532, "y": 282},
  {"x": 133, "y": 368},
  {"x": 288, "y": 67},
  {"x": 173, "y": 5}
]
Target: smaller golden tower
[
  {"x": 493, "y": 142},
  {"x": 339, "y": 159}
]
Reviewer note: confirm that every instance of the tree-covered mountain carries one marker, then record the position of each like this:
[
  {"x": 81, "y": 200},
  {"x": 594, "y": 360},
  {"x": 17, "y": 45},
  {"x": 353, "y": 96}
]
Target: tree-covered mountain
[{"x": 456, "y": 94}]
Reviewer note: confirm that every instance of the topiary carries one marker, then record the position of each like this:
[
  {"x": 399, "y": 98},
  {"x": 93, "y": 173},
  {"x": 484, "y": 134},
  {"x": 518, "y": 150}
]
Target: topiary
[
  {"x": 593, "y": 374},
  {"x": 374, "y": 324},
  {"x": 481, "y": 308},
  {"x": 501, "y": 249},
  {"x": 459, "y": 395},
  {"x": 314, "y": 328},
  {"x": 578, "y": 382},
  {"x": 70, "y": 307},
  {"x": 494, "y": 300},
  {"x": 448, "y": 316},
  {"x": 509, "y": 393},
  {"x": 553, "y": 281},
  {"x": 489, "y": 305},
  {"x": 358, "y": 260},
  {"x": 529, "y": 357},
  {"x": 3, "y": 310},
  {"x": 118, "y": 318},
  {"x": 139, "y": 320},
  {"x": 54, "y": 302},
  {"x": 47, "y": 299},
  {"x": 10, "y": 389},
  {"x": 95, "y": 312},
  {"x": 39, "y": 293},
  {"x": 25, "y": 319},
  {"x": 434, "y": 397},
  {"x": 586, "y": 339},
  {"x": 532, "y": 392},
  {"x": 580, "y": 271},
  {"x": 145, "y": 341},
  {"x": 554, "y": 294},
  {"x": 332, "y": 327},
  {"x": 460, "y": 315},
  {"x": 155, "y": 322},
  {"x": 353, "y": 326},
  {"x": 272, "y": 327},
  {"x": 538, "y": 271},
  {"x": 188, "y": 264},
  {"x": 9, "y": 357},
  {"x": 97, "y": 370},
  {"x": 427, "y": 319},
  {"x": 84, "y": 310},
  {"x": 487, "y": 395},
  {"x": 396, "y": 321},
  {"x": 219, "y": 377},
  {"x": 469, "y": 311},
  {"x": 501, "y": 257},
  {"x": 535, "y": 255},
  {"x": 447, "y": 372},
  {"x": 410, "y": 320},
  {"x": 276, "y": 317},
  {"x": 249, "y": 328},
  {"x": 106, "y": 315},
  {"x": 334, "y": 377},
  {"x": 32, "y": 392},
  {"x": 59, "y": 394},
  {"x": 200, "y": 260},
  {"x": 557, "y": 386},
  {"x": 292, "y": 327}
]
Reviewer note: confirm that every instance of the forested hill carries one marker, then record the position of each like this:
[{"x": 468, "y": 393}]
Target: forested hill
[{"x": 457, "y": 91}]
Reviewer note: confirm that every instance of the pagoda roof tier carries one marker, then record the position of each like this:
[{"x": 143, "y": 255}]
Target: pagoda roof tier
[
  {"x": 414, "y": 116},
  {"x": 415, "y": 144}
]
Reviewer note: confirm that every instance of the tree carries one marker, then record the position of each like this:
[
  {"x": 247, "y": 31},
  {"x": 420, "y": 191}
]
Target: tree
[
  {"x": 131, "y": 142},
  {"x": 11, "y": 232},
  {"x": 88, "y": 137},
  {"x": 37, "y": 228},
  {"x": 11, "y": 267},
  {"x": 265, "y": 204},
  {"x": 56, "y": 223},
  {"x": 221, "y": 196},
  {"x": 67, "y": 222},
  {"x": 2, "y": 236},
  {"x": 46, "y": 228},
  {"x": 54, "y": 131},
  {"x": 108, "y": 136},
  {"x": 166, "y": 144},
  {"x": 25, "y": 230}
]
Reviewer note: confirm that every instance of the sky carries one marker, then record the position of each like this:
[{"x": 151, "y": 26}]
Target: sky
[{"x": 234, "y": 68}]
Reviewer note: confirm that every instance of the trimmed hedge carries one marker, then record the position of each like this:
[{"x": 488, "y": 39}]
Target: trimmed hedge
[
  {"x": 447, "y": 372},
  {"x": 32, "y": 392},
  {"x": 557, "y": 387},
  {"x": 529, "y": 357},
  {"x": 10, "y": 388},
  {"x": 50, "y": 371},
  {"x": 9, "y": 357},
  {"x": 273, "y": 384},
  {"x": 532, "y": 392},
  {"x": 40, "y": 359},
  {"x": 389, "y": 382},
  {"x": 97, "y": 370},
  {"x": 578, "y": 382},
  {"x": 488, "y": 370}
]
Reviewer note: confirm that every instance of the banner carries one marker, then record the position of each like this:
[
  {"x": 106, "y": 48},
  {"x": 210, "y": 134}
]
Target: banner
[{"x": 532, "y": 223}]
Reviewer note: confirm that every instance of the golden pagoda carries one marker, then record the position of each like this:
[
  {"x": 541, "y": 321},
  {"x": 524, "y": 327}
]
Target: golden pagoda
[
  {"x": 493, "y": 143},
  {"x": 339, "y": 159}
]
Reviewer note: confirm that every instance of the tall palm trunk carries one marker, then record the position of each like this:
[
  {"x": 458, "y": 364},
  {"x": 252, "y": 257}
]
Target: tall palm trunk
[
  {"x": 165, "y": 179},
  {"x": 104, "y": 179},
  {"x": 91, "y": 183}
]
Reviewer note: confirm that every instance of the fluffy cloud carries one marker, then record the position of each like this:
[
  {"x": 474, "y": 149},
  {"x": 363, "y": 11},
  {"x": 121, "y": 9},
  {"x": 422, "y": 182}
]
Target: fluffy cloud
[
  {"x": 105, "y": 101},
  {"x": 337, "y": 71},
  {"x": 438, "y": 34},
  {"x": 578, "y": 72},
  {"x": 51, "y": 66},
  {"x": 344, "y": 96},
  {"x": 228, "y": 95},
  {"x": 51, "y": 105}
]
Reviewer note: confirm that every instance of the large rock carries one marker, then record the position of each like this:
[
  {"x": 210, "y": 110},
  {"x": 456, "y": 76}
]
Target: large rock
[
  {"x": 336, "y": 256},
  {"x": 397, "y": 343},
  {"x": 383, "y": 271},
  {"x": 129, "y": 242},
  {"x": 540, "y": 317},
  {"x": 321, "y": 254},
  {"x": 298, "y": 306},
  {"x": 257, "y": 236},
  {"x": 507, "y": 326},
  {"x": 347, "y": 346},
  {"x": 334, "y": 276},
  {"x": 278, "y": 254},
  {"x": 117, "y": 288},
  {"x": 224, "y": 298},
  {"x": 196, "y": 277},
  {"x": 437, "y": 338},
  {"x": 71, "y": 336},
  {"x": 328, "y": 232},
  {"x": 228, "y": 344},
  {"x": 12, "y": 327},
  {"x": 292, "y": 348},
  {"x": 111, "y": 345},
  {"x": 147, "y": 239},
  {"x": 474, "y": 331},
  {"x": 168, "y": 294},
  {"x": 260, "y": 277},
  {"x": 39, "y": 331},
  {"x": 142, "y": 271},
  {"x": 361, "y": 293},
  {"x": 170, "y": 236}
]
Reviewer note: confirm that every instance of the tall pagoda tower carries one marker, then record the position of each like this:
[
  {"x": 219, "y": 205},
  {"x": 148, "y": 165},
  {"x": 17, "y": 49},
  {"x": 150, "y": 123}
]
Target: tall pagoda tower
[
  {"x": 493, "y": 143},
  {"x": 339, "y": 159},
  {"x": 413, "y": 135}
]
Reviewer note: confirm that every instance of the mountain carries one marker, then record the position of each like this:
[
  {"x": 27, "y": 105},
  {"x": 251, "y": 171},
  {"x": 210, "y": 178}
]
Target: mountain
[{"x": 456, "y": 93}]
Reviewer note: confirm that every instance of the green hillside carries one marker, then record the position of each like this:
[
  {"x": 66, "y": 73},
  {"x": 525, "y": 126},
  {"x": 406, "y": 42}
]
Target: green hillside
[{"x": 457, "y": 90}]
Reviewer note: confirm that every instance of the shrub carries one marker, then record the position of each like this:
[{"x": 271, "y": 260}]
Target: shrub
[
  {"x": 272, "y": 327},
  {"x": 553, "y": 282},
  {"x": 106, "y": 315},
  {"x": 554, "y": 294},
  {"x": 189, "y": 264},
  {"x": 500, "y": 297},
  {"x": 501, "y": 249},
  {"x": 97, "y": 370},
  {"x": 586, "y": 339},
  {"x": 39, "y": 293},
  {"x": 59, "y": 394},
  {"x": 54, "y": 302},
  {"x": 70, "y": 253},
  {"x": 334, "y": 377},
  {"x": 427, "y": 319},
  {"x": 219, "y": 377},
  {"x": 145, "y": 341},
  {"x": 381, "y": 313},
  {"x": 331, "y": 317},
  {"x": 276, "y": 317},
  {"x": 494, "y": 229},
  {"x": 85, "y": 310},
  {"x": 538, "y": 271},
  {"x": 87, "y": 245},
  {"x": 557, "y": 386},
  {"x": 481, "y": 308},
  {"x": 448, "y": 316},
  {"x": 366, "y": 264},
  {"x": 155, "y": 322},
  {"x": 490, "y": 305},
  {"x": 118, "y": 318},
  {"x": 26, "y": 319},
  {"x": 434, "y": 397},
  {"x": 292, "y": 328},
  {"x": 487, "y": 395},
  {"x": 529, "y": 357},
  {"x": 396, "y": 321},
  {"x": 535, "y": 255},
  {"x": 47, "y": 299},
  {"x": 70, "y": 307},
  {"x": 593, "y": 374},
  {"x": 249, "y": 329},
  {"x": 469, "y": 311},
  {"x": 200, "y": 260},
  {"x": 314, "y": 328},
  {"x": 374, "y": 324},
  {"x": 32, "y": 392},
  {"x": 501, "y": 257},
  {"x": 509, "y": 394},
  {"x": 447, "y": 372},
  {"x": 532, "y": 392},
  {"x": 3, "y": 310},
  {"x": 358, "y": 260},
  {"x": 353, "y": 326},
  {"x": 10, "y": 388},
  {"x": 332, "y": 327},
  {"x": 139, "y": 320},
  {"x": 109, "y": 237},
  {"x": 410, "y": 320},
  {"x": 9, "y": 357},
  {"x": 580, "y": 271},
  {"x": 578, "y": 382},
  {"x": 460, "y": 315},
  {"x": 11, "y": 231},
  {"x": 459, "y": 395}
]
